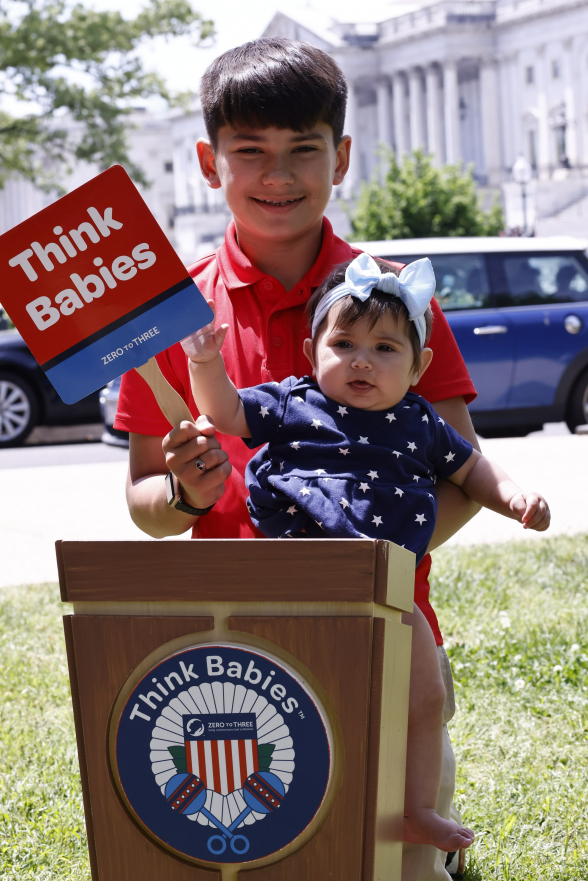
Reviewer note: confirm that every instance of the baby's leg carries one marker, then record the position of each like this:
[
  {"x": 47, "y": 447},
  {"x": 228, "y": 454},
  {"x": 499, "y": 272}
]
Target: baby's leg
[{"x": 422, "y": 824}]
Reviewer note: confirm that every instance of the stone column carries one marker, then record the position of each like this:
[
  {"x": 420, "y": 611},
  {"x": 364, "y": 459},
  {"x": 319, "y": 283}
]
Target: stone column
[
  {"x": 490, "y": 120},
  {"x": 415, "y": 92},
  {"x": 351, "y": 128},
  {"x": 434, "y": 118},
  {"x": 384, "y": 111},
  {"x": 505, "y": 125},
  {"x": 543, "y": 133},
  {"x": 452, "y": 126},
  {"x": 568, "y": 59},
  {"x": 400, "y": 125}
]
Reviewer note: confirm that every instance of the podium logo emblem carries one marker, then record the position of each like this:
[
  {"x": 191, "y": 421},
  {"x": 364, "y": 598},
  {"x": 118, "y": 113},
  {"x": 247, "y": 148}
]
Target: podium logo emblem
[{"x": 222, "y": 754}]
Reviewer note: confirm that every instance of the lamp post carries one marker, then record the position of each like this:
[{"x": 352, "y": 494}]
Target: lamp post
[{"x": 522, "y": 174}]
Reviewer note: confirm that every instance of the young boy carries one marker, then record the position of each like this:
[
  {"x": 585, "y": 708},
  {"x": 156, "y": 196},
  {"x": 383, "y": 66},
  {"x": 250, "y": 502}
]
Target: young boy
[{"x": 274, "y": 111}]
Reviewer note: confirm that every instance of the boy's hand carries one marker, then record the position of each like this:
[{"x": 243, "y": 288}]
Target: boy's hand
[
  {"x": 205, "y": 344},
  {"x": 531, "y": 510},
  {"x": 187, "y": 448}
]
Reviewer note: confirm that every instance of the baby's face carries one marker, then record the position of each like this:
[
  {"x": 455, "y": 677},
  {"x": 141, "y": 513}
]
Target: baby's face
[{"x": 363, "y": 367}]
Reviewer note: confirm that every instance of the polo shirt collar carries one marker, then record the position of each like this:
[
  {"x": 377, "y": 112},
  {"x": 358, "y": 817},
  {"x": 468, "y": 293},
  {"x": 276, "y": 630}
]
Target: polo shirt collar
[{"x": 237, "y": 271}]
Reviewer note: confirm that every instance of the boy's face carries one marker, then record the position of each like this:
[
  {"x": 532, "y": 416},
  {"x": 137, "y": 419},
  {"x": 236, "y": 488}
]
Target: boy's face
[
  {"x": 277, "y": 182},
  {"x": 363, "y": 367}
]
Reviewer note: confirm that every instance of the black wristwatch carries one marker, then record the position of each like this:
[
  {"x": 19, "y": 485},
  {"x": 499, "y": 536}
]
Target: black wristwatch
[{"x": 173, "y": 490}]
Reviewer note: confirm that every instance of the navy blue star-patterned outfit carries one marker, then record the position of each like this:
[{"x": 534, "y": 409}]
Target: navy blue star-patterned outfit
[{"x": 339, "y": 472}]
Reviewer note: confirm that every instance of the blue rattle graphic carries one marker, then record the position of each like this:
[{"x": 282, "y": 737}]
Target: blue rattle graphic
[{"x": 263, "y": 792}]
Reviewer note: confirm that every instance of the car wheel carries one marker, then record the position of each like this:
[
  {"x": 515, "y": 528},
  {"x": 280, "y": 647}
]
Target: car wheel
[
  {"x": 578, "y": 403},
  {"x": 19, "y": 410}
]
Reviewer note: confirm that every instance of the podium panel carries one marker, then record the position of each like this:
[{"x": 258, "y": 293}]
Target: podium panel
[{"x": 240, "y": 706}]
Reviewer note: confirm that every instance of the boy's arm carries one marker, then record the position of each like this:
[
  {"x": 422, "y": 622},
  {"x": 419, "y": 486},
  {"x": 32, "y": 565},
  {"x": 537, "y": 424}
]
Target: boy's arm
[
  {"x": 454, "y": 507},
  {"x": 213, "y": 391},
  {"x": 486, "y": 483},
  {"x": 149, "y": 462}
]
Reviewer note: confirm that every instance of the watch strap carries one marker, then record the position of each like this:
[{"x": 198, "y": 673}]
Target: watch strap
[{"x": 173, "y": 490}]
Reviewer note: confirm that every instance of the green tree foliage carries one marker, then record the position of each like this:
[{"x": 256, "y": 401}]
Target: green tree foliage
[
  {"x": 71, "y": 63},
  {"x": 417, "y": 200}
]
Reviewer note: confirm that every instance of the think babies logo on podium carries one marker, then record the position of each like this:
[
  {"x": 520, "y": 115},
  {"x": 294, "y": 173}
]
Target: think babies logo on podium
[{"x": 222, "y": 754}]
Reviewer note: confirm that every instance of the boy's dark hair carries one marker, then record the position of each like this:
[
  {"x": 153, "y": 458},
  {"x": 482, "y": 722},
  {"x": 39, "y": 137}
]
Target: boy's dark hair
[
  {"x": 273, "y": 82},
  {"x": 375, "y": 307}
]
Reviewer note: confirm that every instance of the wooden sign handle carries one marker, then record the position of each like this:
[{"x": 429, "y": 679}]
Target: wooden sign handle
[{"x": 171, "y": 404}]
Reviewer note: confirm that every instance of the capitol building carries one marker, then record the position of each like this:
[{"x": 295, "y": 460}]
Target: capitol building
[{"x": 478, "y": 81}]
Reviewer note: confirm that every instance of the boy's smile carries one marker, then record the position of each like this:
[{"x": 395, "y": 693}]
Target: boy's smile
[
  {"x": 279, "y": 206},
  {"x": 277, "y": 182},
  {"x": 370, "y": 368}
]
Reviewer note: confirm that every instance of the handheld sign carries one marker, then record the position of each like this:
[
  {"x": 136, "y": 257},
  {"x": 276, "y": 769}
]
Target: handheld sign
[{"x": 95, "y": 289}]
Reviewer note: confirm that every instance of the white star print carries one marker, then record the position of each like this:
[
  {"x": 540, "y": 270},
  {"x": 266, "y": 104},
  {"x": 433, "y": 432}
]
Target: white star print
[
  {"x": 425, "y": 418},
  {"x": 450, "y": 457},
  {"x": 295, "y": 445},
  {"x": 396, "y": 453},
  {"x": 416, "y": 477},
  {"x": 373, "y": 475},
  {"x": 326, "y": 478},
  {"x": 390, "y": 417},
  {"x": 342, "y": 411},
  {"x": 298, "y": 398},
  {"x": 319, "y": 523},
  {"x": 344, "y": 503},
  {"x": 398, "y": 492},
  {"x": 363, "y": 440},
  {"x": 406, "y": 408},
  {"x": 316, "y": 423},
  {"x": 377, "y": 521},
  {"x": 281, "y": 466},
  {"x": 292, "y": 510},
  {"x": 442, "y": 421},
  {"x": 364, "y": 487},
  {"x": 264, "y": 412},
  {"x": 343, "y": 452},
  {"x": 305, "y": 491},
  {"x": 420, "y": 518},
  {"x": 412, "y": 446},
  {"x": 430, "y": 496},
  {"x": 320, "y": 471}
]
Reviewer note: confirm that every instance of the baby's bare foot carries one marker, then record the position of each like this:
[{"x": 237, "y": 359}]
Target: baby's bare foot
[{"x": 427, "y": 827}]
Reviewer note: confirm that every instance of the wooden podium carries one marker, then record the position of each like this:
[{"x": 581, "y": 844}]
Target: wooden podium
[{"x": 322, "y": 619}]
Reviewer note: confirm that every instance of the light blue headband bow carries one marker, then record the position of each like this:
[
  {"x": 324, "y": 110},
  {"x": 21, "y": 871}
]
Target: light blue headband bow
[{"x": 415, "y": 286}]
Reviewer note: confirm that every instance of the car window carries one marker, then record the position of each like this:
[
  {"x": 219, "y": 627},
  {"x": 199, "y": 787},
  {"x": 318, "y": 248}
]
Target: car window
[
  {"x": 535, "y": 280},
  {"x": 462, "y": 280}
]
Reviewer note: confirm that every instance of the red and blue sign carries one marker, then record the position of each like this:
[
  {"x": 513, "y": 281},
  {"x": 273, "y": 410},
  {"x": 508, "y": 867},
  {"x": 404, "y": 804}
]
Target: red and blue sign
[
  {"x": 222, "y": 754},
  {"x": 94, "y": 286}
]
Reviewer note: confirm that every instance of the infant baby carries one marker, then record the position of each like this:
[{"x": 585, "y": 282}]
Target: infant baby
[{"x": 351, "y": 452}]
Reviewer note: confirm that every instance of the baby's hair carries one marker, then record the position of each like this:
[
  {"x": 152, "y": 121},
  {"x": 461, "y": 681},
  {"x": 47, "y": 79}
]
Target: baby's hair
[
  {"x": 375, "y": 307},
  {"x": 273, "y": 82}
]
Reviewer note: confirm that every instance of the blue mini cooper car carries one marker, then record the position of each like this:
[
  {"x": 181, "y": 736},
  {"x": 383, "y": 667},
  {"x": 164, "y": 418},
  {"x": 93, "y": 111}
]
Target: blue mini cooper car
[{"x": 519, "y": 310}]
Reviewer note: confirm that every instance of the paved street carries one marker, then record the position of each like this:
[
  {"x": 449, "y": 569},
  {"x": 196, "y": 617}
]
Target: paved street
[
  {"x": 76, "y": 491},
  {"x": 554, "y": 465}
]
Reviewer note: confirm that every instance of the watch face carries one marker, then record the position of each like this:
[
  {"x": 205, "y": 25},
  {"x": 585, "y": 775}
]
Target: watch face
[{"x": 169, "y": 489}]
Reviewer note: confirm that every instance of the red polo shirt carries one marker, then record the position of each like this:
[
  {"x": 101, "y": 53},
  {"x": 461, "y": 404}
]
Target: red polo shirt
[{"x": 264, "y": 343}]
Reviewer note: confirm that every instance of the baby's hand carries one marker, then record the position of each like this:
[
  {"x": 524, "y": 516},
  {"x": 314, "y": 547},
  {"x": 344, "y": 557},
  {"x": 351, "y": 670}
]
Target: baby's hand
[
  {"x": 205, "y": 344},
  {"x": 531, "y": 510}
]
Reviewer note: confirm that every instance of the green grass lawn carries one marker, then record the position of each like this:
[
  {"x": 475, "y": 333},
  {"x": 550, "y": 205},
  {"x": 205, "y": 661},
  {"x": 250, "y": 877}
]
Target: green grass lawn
[
  {"x": 515, "y": 620},
  {"x": 516, "y": 625}
]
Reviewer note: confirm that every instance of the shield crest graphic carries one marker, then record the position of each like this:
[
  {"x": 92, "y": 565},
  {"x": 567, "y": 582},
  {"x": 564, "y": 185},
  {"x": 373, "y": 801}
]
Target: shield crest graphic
[{"x": 221, "y": 749}]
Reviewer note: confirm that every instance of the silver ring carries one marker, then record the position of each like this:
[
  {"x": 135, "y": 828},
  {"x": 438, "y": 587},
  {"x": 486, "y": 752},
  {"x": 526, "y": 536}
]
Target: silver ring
[{"x": 200, "y": 465}]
